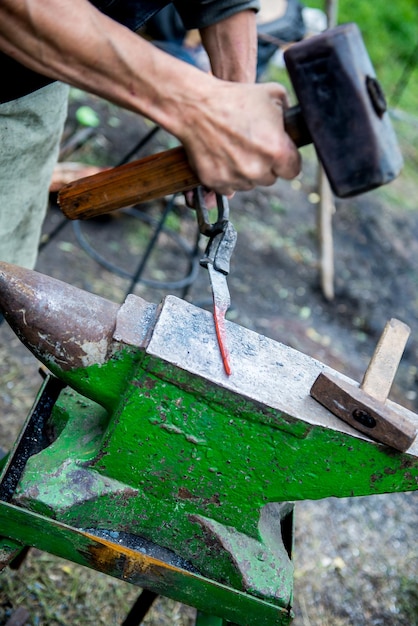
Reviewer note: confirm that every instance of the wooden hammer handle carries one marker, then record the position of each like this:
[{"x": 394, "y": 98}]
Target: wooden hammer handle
[
  {"x": 139, "y": 181},
  {"x": 146, "y": 179}
]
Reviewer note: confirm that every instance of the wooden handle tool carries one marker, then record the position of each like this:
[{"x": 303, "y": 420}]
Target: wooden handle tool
[
  {"x": 365, "y": 407},
  {"x": 341, "y": 110},
  {"x": 145, "y": 179}
]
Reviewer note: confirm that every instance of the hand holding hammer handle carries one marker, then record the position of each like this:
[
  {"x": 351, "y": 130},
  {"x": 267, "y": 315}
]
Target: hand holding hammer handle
[
  {"x": 143, "y": 180},
  {"x": 342, "y": 111}
]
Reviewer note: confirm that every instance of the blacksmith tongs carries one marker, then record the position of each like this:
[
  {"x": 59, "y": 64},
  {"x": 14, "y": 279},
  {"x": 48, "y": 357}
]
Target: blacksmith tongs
[{"x": 222, "y": 238}]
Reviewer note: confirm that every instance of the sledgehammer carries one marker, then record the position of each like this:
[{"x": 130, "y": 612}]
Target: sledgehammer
[{"x": 341, "y": 110}]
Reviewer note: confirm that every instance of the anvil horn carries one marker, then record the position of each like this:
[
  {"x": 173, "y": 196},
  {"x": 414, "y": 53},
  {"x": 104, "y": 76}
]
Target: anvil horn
[
  {"x": 61, "y": 324},
  {"x": 66, "y": 328}
]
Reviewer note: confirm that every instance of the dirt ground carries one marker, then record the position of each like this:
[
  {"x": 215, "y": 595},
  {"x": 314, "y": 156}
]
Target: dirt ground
[{"x": 356, "y": 559}]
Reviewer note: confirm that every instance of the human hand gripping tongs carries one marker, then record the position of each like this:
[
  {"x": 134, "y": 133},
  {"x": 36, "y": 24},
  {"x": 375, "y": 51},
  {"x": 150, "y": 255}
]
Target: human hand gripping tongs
[{"x": 222, "y": 238}]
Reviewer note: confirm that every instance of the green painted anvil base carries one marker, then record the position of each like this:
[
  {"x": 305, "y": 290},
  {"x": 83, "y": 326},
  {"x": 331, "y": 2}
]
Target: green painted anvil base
[
  {"x": 112, "y": 557},
  {"x": 63, "y": 482},
  {"x": 154, "y": 440},
  {"x": 113, "y": 552}
]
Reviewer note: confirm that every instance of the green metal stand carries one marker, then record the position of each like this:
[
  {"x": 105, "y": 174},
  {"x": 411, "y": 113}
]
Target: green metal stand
[{"x": 157, "y": 468}]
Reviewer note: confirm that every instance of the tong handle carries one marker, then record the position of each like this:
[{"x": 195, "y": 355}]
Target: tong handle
[
  {"x": 202, "y": 213},
  {"x": 219, "y": 249},
  {"x": 222, "y": 234}
]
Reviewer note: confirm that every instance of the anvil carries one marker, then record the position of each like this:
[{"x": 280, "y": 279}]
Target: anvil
[{"x": 155, "y": 466}]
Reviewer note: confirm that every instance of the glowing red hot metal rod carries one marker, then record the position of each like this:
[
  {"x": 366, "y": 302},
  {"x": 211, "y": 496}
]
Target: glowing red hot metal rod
[
  {"x": 221, "y": 304},
  {"x": 217, "y": 258}
]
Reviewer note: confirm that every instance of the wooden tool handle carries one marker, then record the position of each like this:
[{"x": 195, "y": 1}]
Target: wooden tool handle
[
  {"x": 375, "y": 419},
  {"x": 146, "y": 179},
  {"x": 381, "y": 371},
  {"x": 366, "y": 407},
  {"x": 139, "y": 181}
]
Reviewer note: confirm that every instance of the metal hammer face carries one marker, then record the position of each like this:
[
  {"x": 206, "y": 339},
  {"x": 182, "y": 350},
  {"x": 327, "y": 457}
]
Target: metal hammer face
[{"x": 345, "y": 110}]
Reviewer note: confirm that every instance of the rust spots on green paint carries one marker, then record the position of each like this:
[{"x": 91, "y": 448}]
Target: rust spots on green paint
[{"x": 124, "y": 562}]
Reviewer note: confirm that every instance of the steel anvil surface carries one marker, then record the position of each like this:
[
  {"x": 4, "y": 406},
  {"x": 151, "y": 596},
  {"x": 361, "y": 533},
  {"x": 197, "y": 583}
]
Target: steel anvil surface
[{"x": 155, "y": 440}]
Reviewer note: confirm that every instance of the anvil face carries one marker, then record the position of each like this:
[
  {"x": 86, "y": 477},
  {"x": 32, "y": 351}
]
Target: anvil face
[{"x": 155, "y": 440}]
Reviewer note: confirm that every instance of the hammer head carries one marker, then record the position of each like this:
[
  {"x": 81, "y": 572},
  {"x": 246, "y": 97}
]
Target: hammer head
[{"x": 345, "y": 110}]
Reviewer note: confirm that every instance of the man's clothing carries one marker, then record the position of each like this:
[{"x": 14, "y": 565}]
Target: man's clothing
[{"x": 30, "y": 133}]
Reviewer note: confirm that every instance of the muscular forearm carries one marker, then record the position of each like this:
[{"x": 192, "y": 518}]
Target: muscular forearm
[
  {"x": 86, "y": 49},
  {"x": 233, "y": 133},
  {"x": 232, "y": 47}
]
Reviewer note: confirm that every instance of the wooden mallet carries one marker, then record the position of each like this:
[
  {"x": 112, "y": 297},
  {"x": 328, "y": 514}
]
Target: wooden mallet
[{"x": 365, "y": 407}]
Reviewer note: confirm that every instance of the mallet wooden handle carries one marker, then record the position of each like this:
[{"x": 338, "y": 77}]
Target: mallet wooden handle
[
  {"x": 365, "y": 407},
  {"x": 146, "y": 179}
]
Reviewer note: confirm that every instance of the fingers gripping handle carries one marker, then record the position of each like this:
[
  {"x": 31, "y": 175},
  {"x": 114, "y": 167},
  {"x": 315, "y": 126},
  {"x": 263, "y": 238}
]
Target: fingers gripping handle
[{"x": 143, "y": 180}]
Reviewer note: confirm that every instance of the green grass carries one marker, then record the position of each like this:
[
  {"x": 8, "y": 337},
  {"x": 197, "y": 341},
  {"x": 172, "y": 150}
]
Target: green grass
[
  {"x": 402, "y": 192},
  {"x": 408, "y": 599},
  {"x": 56, "y": 592}
]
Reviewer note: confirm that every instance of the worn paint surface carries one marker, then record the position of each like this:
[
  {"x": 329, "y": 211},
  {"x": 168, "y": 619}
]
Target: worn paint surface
[
  {"x": 139, "y": 569},
  {"x": 192, "y": 470},
  {"x": 156, "y": 440}
]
